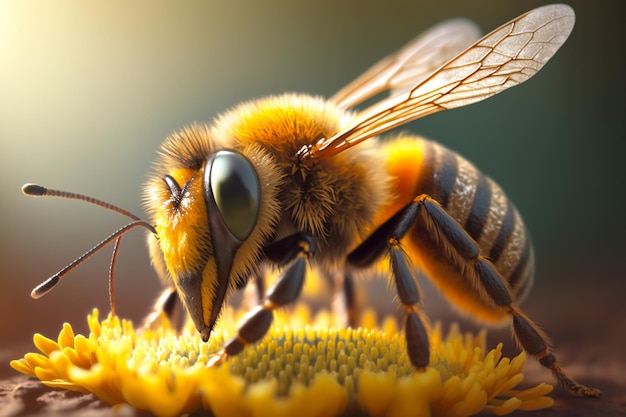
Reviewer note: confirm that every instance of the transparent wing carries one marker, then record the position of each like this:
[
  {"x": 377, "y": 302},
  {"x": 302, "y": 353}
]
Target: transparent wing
[
  {"x": 502, "y": 59},
  {"x": 412, "y": 64}
]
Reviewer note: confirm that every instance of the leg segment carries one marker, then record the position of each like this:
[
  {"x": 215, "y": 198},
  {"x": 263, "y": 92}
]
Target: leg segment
[
  {"x": 461, "y": 250},
  {"x": 418, "y": 346},
  {"x": 532, "y": 339},
  {"x": 294, "y": 251},
  {"x": 387, "y": 239}
]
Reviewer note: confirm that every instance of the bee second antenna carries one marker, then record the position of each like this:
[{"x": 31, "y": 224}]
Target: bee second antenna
[
  {"x": 45, "y": 287},
  {"x": 36, "y": 190}
]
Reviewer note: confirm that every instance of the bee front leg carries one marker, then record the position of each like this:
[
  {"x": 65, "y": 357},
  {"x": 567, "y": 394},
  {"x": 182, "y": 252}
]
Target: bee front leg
[{"x": 294, "y": 252}]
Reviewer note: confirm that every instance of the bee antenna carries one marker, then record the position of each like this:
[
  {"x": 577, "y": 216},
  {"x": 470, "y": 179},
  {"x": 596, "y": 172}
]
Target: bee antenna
[
  {"x": 45, "y": 287},
  {"x": 36, "y": 190}
]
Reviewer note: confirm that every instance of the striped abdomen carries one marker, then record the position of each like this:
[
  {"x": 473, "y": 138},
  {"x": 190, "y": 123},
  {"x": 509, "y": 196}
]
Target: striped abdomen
[{"x": 419, "y": 166}]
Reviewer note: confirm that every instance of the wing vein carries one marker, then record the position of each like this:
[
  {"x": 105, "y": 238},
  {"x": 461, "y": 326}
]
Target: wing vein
[{"x": 502, "y": 59}]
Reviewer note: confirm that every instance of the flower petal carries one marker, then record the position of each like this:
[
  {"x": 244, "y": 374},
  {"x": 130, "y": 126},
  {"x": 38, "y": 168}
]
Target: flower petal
[{"x": 362, "y": 370}]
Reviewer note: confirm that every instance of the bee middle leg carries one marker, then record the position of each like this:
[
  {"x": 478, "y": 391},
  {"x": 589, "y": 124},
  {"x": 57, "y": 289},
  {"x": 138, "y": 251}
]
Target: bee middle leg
[
  {"x": 292, "y": 251},
  {"x": 387, "y": 239}
]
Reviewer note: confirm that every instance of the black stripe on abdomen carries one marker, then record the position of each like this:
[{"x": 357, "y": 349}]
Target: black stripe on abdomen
[
  {"x": 506, "y": 228},
  {"x": 448, "y": 167},
  {"x": 480, "y": 207}
]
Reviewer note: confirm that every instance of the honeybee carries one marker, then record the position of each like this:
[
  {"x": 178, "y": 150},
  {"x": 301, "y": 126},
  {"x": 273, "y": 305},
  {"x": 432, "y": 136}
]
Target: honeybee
[{"x": 293, "y": 182}]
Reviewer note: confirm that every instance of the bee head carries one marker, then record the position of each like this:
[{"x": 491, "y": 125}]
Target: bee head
[{"x": 211, "y": 214}]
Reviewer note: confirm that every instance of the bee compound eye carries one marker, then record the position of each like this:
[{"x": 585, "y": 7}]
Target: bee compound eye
[{"x": 236, "y": 191}]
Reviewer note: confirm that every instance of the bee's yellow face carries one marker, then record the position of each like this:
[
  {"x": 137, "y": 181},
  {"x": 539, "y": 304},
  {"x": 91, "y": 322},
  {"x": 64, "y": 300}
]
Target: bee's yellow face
[
  {"x": 204, "y": 197},
  {"x": 185, "y": 244},
  {"x": 181, "y": 223}
]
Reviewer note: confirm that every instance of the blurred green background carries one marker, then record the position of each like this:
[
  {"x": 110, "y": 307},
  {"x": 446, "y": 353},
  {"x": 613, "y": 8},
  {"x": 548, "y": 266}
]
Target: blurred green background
[{"x": 89, "y": 89}]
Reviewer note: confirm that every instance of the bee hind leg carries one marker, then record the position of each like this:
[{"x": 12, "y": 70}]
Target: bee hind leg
[
  {"x": 460, "y": 249},
  {"x": 484, "y": 276},
  {"x": 292, "y": 251}
]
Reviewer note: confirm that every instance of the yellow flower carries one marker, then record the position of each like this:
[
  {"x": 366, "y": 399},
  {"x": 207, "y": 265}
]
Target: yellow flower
[{"x": 297, "y": 369}]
